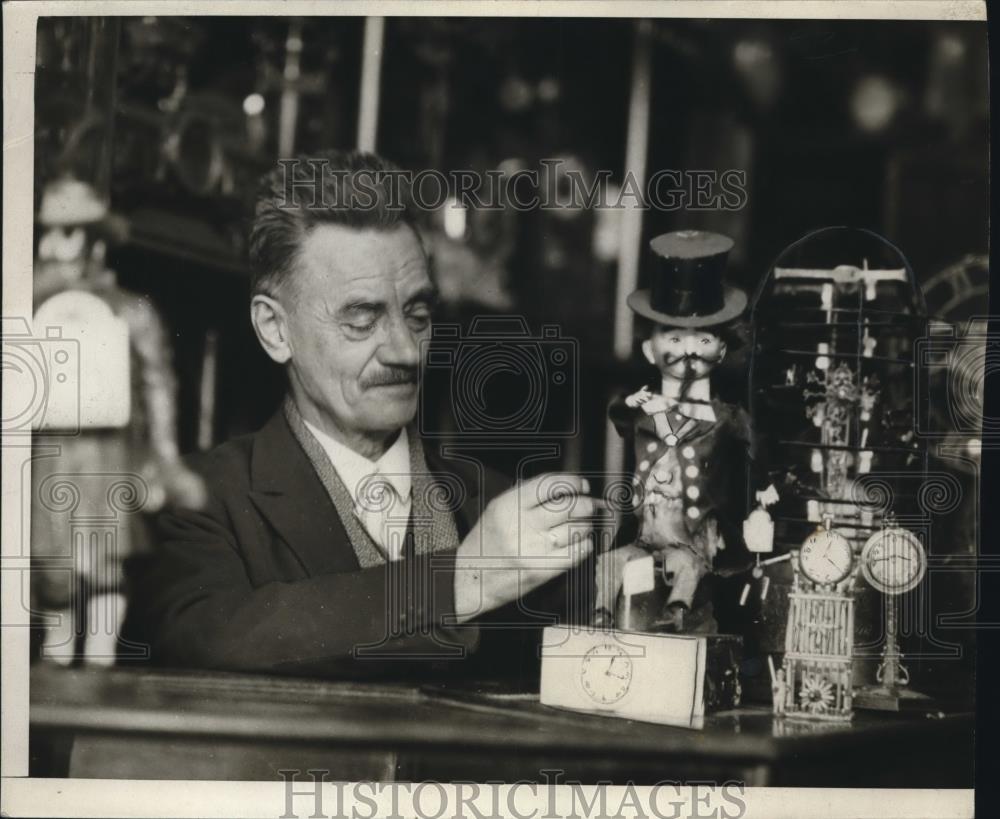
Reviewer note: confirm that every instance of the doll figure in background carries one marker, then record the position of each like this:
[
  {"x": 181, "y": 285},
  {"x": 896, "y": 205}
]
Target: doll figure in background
[
  {"x": 105, "y": 448},
  {"x": 692, "y": 450}
]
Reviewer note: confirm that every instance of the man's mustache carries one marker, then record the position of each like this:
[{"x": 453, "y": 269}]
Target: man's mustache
[{"x": 390, "y": 376}]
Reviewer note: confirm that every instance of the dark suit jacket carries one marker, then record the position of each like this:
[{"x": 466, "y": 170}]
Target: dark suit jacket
[{"x": 265, "y": 578}]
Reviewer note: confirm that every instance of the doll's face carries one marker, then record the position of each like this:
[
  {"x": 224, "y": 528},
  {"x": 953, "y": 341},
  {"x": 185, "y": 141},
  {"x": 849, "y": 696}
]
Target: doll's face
[
  {"x": 683, "y": 353},
  {"x": 61, "y": 259}
]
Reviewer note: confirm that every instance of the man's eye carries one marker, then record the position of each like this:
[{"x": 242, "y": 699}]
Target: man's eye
[
  {"x": 419, "y": 321},
  {"x": 705, "y": 341},
  {"x": 362, "y": 324},
  {"x": 675, "y": 340}
]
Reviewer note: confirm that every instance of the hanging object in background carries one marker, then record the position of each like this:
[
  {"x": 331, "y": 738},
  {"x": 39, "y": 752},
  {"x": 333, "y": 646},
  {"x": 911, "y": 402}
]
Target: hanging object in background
[
  {"x": 894, "y": 562},
  {"x": 758, "y": 67},
  {"x": 107, "y": 442},
  {"x": 875, "y": 101},
  {"x": 955, "y": 94},
  {"x": 814, "y": 681},
  {"x": 192, "y": 138}
]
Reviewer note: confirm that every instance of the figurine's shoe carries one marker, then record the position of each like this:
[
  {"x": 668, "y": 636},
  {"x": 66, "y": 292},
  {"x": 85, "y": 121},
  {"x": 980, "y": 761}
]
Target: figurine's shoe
[
  {"x": 671, "y": 619},
  {"x": 679, "y": 619},
  {"x": 602, "y": 619}
]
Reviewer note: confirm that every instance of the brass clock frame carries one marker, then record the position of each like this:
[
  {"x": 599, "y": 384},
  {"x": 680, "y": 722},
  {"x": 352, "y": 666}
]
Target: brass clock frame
[{"x": 880, "y": 538}]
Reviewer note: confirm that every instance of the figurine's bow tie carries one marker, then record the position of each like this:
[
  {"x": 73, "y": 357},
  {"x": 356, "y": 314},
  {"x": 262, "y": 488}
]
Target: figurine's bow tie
[{"x": 654, "y": 404}]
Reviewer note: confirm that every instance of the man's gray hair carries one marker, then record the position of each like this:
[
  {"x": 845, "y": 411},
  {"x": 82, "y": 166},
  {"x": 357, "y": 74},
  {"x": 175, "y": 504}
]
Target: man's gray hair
[{"x": 355, "y": 189}]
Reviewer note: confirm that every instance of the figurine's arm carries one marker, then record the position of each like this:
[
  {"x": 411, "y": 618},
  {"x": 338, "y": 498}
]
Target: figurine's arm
[
  {"x": 158, "y": 383},
  {"x": 159, "y": 396},
  {"x": 758, "y": 478},
  {"x": 623, "y": 416}
]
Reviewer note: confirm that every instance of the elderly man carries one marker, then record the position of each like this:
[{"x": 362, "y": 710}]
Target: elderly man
[{"x": 330, "y": 535}]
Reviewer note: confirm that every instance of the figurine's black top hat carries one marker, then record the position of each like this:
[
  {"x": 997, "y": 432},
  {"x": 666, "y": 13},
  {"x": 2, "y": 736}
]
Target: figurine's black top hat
[{"x": 687, "y": 288}]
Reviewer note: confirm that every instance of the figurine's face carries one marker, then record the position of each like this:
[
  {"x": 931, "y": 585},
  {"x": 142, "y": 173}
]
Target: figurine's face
[
  {"x": 61, "y": 260},
  {"x": 683, "y": 353}
]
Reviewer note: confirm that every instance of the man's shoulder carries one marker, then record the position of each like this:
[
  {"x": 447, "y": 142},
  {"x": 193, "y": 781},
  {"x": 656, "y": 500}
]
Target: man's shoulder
[
  {"x": 229, "y": 467},
  {"x": 229, "y": 458}
]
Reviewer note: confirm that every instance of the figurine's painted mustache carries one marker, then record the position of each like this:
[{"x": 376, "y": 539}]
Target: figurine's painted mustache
[{"x": 690, "y": 359}]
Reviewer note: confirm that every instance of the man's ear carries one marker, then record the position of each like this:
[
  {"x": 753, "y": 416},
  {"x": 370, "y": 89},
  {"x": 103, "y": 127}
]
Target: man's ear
[
  {"x": 722, "y": 350},
  {"x": 647, "y": 350},
  {"x": 271, "y": 326}
]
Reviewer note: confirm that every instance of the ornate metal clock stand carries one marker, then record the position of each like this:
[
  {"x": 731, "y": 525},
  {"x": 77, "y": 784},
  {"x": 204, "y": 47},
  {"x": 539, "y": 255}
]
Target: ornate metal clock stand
[
  {"x": 815, "y": 680},
  {"x": 893, "y": 561}
]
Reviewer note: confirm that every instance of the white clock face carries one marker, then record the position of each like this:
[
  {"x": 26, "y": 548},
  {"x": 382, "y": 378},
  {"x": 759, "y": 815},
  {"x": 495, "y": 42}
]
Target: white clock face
[
  {"x": 826, "y": 557},
  {"x": 893, "y": 561},
  {"x": 606, "y": 673}
]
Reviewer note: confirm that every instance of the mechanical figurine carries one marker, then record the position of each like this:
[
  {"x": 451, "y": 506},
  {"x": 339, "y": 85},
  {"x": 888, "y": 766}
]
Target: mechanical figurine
[{"x": 692, "y": 450}]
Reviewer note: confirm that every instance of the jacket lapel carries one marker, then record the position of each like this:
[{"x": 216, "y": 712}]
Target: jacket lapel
[{"x": 287, "y": 491}]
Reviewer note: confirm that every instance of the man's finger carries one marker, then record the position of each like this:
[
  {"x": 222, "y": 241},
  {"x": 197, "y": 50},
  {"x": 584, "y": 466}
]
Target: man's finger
[
  {"x": 578, "y": 508},
  {"x": 550, "y": 489},
  {"x": 560, "y": 537},
  {"x": 579, "y": 548}
]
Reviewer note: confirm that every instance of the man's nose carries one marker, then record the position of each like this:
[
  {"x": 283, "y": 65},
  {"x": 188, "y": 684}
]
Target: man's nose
[
  {"x": 689, "y": 345},
  {"x": 400, "y": 347}
]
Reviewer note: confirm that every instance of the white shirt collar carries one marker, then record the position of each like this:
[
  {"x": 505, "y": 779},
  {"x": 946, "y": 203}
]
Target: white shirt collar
[{"x": 352, "y": 468}]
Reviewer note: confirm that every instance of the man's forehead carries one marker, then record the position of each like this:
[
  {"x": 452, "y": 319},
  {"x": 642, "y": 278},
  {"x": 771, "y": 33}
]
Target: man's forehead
[{"x": 369, "y": 259}]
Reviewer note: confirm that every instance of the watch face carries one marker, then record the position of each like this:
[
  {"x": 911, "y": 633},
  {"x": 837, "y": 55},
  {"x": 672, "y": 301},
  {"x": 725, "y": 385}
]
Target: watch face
[
  {"x": 606, "y": 673},
  {"x": 826, "y": 557},
  {"x": 893, "y": 561}
]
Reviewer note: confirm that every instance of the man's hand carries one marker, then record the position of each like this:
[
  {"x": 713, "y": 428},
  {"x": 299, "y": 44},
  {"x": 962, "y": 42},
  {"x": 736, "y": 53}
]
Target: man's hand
[{"x": 525, "y": 537}]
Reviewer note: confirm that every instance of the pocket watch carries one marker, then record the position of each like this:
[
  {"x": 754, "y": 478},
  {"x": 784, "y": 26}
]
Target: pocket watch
[
  {"x": 893, "y": 560},
  {"x": 826, "y": 557}
]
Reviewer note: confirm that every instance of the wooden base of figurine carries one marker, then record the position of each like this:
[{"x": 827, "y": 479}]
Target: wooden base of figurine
[
  {"x": 801, "y": 716},
  {"x": 894, "y": 698}
]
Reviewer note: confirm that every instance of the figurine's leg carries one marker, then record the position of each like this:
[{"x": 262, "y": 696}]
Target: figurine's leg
[
  {"x": 105, "y": 615},
  {"x": 608, "y": 581},
  {"x": 687, "y": 570},
  {"x": 683, "y": 571},
  {"x": 59, "y": 643}
]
